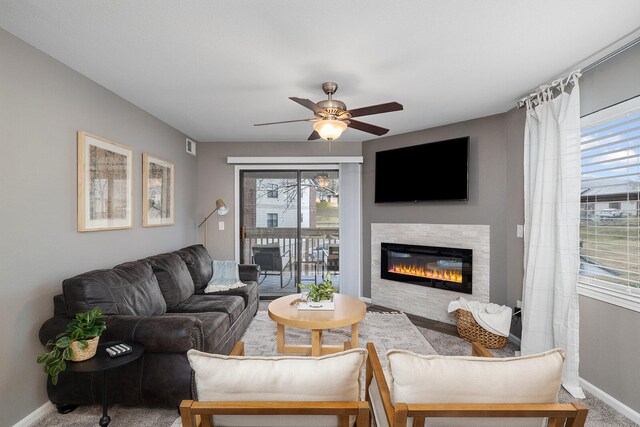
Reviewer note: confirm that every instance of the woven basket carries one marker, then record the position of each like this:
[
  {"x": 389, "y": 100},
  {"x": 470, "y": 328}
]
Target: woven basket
[
  {"x": 469, "y": 329},
  {"x": 78, "y": 354}
]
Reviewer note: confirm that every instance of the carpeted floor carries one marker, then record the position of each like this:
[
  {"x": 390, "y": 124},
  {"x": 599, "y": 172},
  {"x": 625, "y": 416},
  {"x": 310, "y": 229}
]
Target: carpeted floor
[{"x": 385, "y": 330}]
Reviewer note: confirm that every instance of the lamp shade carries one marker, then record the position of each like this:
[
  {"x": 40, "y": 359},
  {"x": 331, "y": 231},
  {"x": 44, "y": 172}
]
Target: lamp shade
[
  {"x": 221, "y": 207},
  {"x": 329, "y": 128}
]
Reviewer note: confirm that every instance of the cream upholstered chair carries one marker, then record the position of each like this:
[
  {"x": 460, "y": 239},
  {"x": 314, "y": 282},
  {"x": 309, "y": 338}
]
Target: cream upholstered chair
[
  {"x": 469, "y": 391},
  {"x": 277, "y": 391}
]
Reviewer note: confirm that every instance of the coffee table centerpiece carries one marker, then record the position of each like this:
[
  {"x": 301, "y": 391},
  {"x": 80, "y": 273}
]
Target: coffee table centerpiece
[{"x": 317, "y": 297}]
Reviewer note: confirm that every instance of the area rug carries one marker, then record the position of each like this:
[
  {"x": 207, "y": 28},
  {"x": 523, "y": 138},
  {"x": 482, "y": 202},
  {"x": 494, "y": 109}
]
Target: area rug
[{"x": 384, "y": 330}]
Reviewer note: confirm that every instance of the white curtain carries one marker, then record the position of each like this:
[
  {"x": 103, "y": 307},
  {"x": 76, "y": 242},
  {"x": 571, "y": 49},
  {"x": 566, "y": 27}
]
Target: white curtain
[
  {"x": 552, "y": 220},
  {"x": 350, "y": 230}
]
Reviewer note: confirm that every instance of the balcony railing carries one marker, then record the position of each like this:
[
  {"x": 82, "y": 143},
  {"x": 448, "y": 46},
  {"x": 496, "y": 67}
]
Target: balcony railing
[{"x": 314, "y": 242}]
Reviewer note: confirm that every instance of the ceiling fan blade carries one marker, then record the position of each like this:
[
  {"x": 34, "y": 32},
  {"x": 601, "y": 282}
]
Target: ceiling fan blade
[
  {"x": 314, "y": 135},
  {"x": 376, "y": 109},
  {"x": 308, "y": 103},
  {"x": 286, "y": 121},
  {"x": 366, "y": 127}
]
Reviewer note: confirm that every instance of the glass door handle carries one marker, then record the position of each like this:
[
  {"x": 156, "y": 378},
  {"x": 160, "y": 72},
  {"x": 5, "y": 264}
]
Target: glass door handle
[{"x": 242, "y": 233}]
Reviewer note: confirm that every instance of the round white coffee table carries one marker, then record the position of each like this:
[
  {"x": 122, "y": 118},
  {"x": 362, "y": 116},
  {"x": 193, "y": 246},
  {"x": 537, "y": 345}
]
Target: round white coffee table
[{"x": 348, "y": 311}]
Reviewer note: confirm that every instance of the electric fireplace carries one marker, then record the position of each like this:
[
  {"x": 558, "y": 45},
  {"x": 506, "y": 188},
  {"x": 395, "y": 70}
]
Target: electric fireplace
[{"x": 433, "y": 266}]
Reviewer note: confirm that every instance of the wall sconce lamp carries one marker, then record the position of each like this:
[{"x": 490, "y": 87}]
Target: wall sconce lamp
[{"x": 222, "y": 209}]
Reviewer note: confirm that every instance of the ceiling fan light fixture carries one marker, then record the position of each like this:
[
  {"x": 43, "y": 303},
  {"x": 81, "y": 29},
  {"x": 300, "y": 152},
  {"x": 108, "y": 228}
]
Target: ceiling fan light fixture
[{"x": 329, "y": 129}]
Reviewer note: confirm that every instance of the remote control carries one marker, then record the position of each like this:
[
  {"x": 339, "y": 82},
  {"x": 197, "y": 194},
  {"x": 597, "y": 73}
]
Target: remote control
[{"x": 119, "y": 350}]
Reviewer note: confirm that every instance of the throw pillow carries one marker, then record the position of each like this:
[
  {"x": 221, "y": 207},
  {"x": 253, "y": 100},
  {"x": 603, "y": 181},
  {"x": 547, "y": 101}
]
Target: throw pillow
[
  {"x": 418, "y": 378},
  {"x": 225, "y": 277},
  {"x": 331, "y": 378}
]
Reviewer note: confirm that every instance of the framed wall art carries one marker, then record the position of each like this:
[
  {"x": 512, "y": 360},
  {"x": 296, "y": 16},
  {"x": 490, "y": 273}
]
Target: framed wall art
[
  {"x": 104, "y": 184},
  {"x": 157, "y": 191}
]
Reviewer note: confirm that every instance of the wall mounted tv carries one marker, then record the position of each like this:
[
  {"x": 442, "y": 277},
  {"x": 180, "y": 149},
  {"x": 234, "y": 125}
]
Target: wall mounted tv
[{"x": 433, "y": 171}]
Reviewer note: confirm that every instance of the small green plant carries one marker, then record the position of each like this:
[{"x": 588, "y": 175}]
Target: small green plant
[
  {"x": 323, "y": 291},
  {"x": 85, "y": 326}
]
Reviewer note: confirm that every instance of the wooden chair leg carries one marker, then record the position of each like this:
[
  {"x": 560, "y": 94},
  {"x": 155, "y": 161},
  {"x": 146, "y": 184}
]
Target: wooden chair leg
[
  {"x": 238, "y": 349},
  {"x": 581, "y": 416},
  {"x": 207, "y": 421},
  {"x": 364, "y": 414},
  {"x": 185, "y": 413},
  {"x": 400, "y": 415}
]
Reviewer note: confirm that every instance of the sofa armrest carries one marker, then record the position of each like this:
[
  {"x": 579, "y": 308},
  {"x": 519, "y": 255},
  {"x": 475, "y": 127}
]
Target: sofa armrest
[
  {"x": 249, "y": 272},
  {"x": 158, "y": 334},
  {"x": 53, "y": 327}
]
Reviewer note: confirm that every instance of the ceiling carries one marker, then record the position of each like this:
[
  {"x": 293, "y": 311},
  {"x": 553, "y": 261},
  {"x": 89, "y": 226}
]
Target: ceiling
[{"x": 212, "y": 69}]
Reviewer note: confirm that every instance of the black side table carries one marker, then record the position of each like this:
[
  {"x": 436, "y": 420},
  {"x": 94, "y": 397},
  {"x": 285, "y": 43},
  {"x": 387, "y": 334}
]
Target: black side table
[{"x": 102, "y": 362}]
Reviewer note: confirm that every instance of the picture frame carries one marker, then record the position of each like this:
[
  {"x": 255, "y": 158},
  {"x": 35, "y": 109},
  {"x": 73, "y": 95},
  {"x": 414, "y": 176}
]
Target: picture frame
[
  {"x": 158, "y": 186},
  {"x": 105, "y": 170}
]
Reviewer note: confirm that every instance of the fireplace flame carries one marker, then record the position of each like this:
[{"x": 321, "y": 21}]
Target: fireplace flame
[{"x": 451, "y": 275}]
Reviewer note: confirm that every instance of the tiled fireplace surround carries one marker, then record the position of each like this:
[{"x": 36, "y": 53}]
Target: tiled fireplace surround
[{"x": 423, "y": 301}]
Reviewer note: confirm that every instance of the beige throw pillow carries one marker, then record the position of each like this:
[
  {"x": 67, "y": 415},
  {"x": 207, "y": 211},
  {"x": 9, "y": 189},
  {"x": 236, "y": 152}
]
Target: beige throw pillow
[
  {"x": 335, "y": 377},
  {"x": 418, "y": 378}
]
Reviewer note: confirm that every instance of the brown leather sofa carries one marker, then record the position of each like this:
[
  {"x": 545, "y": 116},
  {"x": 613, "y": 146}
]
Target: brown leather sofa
[{"x": 159, "y": 302}]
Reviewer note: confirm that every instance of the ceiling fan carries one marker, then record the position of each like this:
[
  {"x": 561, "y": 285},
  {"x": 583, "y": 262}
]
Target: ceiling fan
[{"x": 332, "y": 117}]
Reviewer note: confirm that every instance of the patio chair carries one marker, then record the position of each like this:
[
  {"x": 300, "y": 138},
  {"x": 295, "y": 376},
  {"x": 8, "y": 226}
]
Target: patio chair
[
  {"x": 333, "y": 258},
  {"x": 469, "y": 391},
  {"x": 324, "y": 392},
  {"x": 272, "y": 262}
]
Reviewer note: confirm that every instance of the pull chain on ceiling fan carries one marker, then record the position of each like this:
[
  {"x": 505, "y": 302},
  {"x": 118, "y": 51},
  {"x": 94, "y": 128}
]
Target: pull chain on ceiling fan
[{"x": 332, "y": 116}]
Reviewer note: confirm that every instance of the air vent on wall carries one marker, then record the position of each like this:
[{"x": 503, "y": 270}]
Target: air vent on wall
[{"x": 191, "y": 147}]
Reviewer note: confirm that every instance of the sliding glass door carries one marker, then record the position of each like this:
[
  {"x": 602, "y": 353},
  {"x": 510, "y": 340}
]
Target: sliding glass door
[{"x": 290, "y": 227}]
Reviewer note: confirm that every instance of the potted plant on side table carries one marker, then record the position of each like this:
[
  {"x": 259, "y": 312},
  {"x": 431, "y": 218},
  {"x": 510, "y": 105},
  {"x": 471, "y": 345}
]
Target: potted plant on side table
[{"x": 79, "y": 342}]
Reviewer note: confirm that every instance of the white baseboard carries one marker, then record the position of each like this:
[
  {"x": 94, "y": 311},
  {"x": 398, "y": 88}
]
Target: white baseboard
[
  {"x": 35, "y": 415},
  {"x": 366, "y": 300},
  {"x": 611, "y": 401}
]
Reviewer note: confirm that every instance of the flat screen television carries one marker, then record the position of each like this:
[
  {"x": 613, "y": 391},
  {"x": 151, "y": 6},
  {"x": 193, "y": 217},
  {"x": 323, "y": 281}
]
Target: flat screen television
[{"x": 433, "y": 171}]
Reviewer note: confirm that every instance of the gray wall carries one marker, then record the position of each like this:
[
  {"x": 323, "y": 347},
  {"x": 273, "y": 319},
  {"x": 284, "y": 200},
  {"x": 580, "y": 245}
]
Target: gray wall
[
  {"x": 42, "y": 105},
  {"x": 514, "y": 125},
  {"x": 216, "y": 179},
  {"x": 609, "y": 335},
  {"x": 488, "y": 192}
]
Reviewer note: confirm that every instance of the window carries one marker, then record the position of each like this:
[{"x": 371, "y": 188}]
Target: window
[
  {"x": 609, "y": 220},
  {"x": 272, "y": 220},
  {"x": 272, "y": 191}
]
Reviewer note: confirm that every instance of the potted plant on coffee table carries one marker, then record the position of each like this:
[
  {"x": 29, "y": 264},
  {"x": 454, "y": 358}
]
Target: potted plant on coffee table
[
  {"x": 320, "y": 293},
  {"x": 79, "y": 342}
]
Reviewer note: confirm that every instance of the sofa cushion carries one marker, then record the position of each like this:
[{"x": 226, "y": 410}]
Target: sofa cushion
[
  {"x": 214, "y": 327},
  {"x": 330, "y": 378},
  {"x": 418, "y": 378},
  {"x": 229, "y": 304},
  {"x": 173, "y": 277},
  {"x": 198, "y": 262},
  {"x": 128, "y": 289}
]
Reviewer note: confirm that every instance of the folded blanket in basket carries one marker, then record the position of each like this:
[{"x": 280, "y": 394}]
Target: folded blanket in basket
[{"x": 492, "y": 317}]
